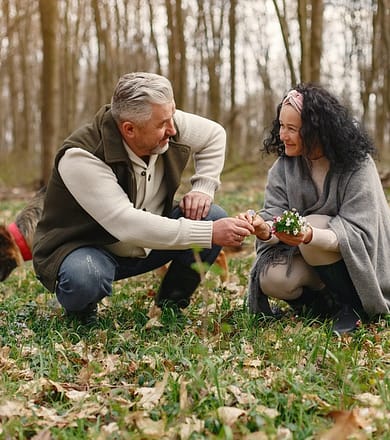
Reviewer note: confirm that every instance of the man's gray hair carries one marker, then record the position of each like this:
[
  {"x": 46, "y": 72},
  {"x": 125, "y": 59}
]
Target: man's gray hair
[{"x": 136, "y": 92}]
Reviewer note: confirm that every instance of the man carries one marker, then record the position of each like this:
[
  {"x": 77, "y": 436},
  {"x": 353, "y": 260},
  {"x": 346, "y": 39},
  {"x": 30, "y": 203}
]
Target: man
[{"x": 109, "y": 208}]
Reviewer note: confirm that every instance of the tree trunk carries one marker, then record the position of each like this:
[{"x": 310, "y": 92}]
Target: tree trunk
[
  {"x": 28, "y": 138},
  {"x": 50, "y": 85},
  {"x": 285, "y": 34},
  {"x": 153, "y": 38},
  {"x": 382, "y": 132},
  {"x": 231, "y": 122},
  {"x": 213, "y": 42},
  {"x": 304, "y": 67},
  {"x": 177, "y": 67},
  {"x": 13, "y": 78},
  {"x": 316, "y": 29},
  {"x": 100, "y": 54}
]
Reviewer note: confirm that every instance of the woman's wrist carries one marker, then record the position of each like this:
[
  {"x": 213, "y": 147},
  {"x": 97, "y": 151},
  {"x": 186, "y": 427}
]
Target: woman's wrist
[
  {"x": 265, "y": 236},
  {"x": 308, "y": 235}
]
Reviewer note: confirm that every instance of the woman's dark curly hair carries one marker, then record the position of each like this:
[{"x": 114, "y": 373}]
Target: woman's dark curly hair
[{"x": 325, "y": 122}]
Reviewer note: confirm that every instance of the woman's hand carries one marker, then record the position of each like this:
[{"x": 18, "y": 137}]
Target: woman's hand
[
  {"x": 262, "y": 229},
  {"x": 295, "y": 240}
]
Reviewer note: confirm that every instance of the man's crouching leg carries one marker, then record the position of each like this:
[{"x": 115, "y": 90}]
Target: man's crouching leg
[
  {"x": 176, "y": 288},
  {"x": 85, "y": 278},
  {"x": 181, "y": 280}
]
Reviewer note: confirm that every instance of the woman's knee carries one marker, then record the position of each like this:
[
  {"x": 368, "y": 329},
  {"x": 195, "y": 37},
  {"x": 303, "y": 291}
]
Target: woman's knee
[
  {"x": 279, "y": 287},
  {"x": 320, "y": 221},
  {"x": 279, "y": 282}
]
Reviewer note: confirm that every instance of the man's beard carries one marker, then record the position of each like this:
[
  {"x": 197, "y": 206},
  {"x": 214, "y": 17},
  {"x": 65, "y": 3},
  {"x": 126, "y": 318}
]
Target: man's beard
[{"x": 160, "y": 150}]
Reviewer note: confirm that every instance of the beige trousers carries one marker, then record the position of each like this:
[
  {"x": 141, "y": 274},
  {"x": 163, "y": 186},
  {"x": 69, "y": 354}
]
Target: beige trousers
[{"x": 275, "y": 282}]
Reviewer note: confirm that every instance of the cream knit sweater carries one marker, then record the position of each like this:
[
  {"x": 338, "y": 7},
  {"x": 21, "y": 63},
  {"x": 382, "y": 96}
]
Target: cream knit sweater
[{"x": 141, "y": 228}]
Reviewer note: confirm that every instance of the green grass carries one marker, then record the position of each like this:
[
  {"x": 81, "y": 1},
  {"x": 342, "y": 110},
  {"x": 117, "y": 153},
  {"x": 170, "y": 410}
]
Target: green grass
[{"x": 215, "y": 372}]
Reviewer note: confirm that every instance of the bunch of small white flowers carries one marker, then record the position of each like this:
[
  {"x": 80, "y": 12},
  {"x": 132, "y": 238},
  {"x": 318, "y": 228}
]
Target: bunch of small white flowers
[{"x": 290, "y": 222}]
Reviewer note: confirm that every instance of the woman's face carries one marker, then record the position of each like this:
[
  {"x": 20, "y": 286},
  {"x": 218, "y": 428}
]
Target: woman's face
[{"x": 290, "y": 124}]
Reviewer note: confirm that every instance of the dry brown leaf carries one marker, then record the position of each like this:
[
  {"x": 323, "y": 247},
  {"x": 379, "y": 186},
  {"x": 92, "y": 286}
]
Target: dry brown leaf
[
  {"x": 241, "y": 397},
  {"x": 316, "y": 399},
  {"x": 229, "y": 414},
  {"x": 154, "y": 311},
  {"x": 15, "y": 374},
  {"x": 272, "y": 413},
  {"x": 256, "y": 436},
  {"x": 13, "y": 408},
  {"x": 88, "y": 410},
  {"x": 109, "y": 363},
  {"x": 5, "y": 362},
  {"x": 269, "y": 374},
  {"x": 42, "y": 435},
  {"x": 48, "y": 415},
  {"x": 85, "y": 375},
  {"x": 25, "y": 333},
  {"x": 150, "y": 361},
  {"x": 191, "y": 424},
  {"x": 60, "y": 388},
  {"x": 285, "y": 434},
  {"x": 370, "y": 399},
  {"x": 247, "y": 348},
  {"x": 30, "y": 351},
  {"x": 33, "y": 387},
  {"x": 150, "y": 428},
  {"x": 253, "y": 363},
  {"x": 132, "y": 366},
  {"x": 221, "y": 392},
  {"x": 153, "y": 322},
  {"x": 109, "y": 429},
  {"x": 150, "y": 396},
  {"x": 347, "y": 423},
  {"x": 233, "y": 285},
  {"x": 82, "y": 349},
  {"x": 184, "y": 404},
  {"x": 77, "y": 396},
  {"x": 253, "y": 367}
]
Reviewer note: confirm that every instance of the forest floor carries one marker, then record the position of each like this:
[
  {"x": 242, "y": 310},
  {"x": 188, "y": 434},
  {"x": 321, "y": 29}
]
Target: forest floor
[{"x": 212, "y": 372}]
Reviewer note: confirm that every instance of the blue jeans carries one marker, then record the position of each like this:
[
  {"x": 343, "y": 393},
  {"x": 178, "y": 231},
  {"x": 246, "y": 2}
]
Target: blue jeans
[{"x": 86, "y": 275}]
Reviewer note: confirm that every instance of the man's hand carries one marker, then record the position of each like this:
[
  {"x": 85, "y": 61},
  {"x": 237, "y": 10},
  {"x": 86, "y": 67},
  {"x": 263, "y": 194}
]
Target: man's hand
[
  {"x": 261, "y": 228},
  {"x": 195, "y": 205},
  {"x": 230, "y": 231}
]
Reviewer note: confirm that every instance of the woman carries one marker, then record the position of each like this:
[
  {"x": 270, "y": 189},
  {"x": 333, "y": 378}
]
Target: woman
[{"x": 338, "y": 266}]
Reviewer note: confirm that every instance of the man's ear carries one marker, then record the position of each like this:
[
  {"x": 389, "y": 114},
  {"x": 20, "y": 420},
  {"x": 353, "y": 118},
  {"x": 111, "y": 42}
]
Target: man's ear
[{"x": 127, "y": 129}]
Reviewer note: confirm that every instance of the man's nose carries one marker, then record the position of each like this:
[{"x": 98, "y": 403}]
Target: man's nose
[{"x": 171, "y": 128}]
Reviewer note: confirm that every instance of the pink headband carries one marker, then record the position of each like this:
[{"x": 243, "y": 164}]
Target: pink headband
[{"x": 295, "y": 99}]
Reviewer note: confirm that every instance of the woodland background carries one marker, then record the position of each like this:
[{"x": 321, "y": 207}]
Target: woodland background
[
  {"x": 231, "y": 61},
  {"x": 214, "y": 372}
]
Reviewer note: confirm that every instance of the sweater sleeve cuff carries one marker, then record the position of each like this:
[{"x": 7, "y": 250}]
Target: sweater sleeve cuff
[
  {"x": 207, "y": 186},
  {"x": 201, "y": 233},
  {"x": 325, "y": 239}
]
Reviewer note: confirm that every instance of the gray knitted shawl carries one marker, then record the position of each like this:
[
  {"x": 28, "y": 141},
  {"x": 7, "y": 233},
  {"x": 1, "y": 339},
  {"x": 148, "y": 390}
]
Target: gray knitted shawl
[{"x": 360, "y": 219}]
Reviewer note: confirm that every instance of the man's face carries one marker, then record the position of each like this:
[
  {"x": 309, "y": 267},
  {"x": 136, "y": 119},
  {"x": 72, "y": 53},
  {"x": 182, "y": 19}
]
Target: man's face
[{"x": 151, "y": 136}]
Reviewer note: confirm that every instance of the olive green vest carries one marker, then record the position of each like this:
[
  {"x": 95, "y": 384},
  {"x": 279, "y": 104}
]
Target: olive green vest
[{"x": 64, "y": 225}]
